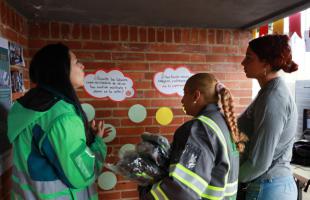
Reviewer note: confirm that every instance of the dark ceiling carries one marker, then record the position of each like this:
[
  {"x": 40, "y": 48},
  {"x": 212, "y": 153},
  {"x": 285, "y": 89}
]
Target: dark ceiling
[{"x": 189, "y": 13}]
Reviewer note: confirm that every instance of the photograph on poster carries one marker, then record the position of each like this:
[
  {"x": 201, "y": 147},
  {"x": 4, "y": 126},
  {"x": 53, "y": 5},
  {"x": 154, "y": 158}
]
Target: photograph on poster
[{"x": 16, "y": 54}]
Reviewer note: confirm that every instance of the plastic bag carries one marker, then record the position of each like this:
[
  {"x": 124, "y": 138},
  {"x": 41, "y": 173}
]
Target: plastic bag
[{"x": 148, "y": 163}]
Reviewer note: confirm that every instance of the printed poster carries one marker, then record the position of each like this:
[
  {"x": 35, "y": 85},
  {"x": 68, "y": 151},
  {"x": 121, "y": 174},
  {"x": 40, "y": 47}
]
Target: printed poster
[{"x": 113, "y": 84}]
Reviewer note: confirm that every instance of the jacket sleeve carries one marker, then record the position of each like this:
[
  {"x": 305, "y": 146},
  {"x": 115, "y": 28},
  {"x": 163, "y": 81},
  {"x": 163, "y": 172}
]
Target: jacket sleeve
[
  {"x": 65, "y": 146},
  {"x": 269, "y": 121},
  {"x": 190, "y": 166}
]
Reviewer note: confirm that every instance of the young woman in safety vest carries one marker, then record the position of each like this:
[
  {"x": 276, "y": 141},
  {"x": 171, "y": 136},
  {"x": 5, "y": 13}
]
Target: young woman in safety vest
[{"x": 204, "y": 160}]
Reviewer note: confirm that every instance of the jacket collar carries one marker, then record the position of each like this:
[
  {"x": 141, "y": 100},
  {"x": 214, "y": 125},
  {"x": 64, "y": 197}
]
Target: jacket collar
[{"x": 210, "y": 108}]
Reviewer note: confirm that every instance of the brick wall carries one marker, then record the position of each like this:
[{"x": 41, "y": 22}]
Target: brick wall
[
  {"x": 13, "y": 27},
  {"x": 140, "y": 52}
]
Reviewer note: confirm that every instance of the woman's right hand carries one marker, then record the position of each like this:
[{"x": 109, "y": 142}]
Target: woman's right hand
[{"x": 99, "y": 129}]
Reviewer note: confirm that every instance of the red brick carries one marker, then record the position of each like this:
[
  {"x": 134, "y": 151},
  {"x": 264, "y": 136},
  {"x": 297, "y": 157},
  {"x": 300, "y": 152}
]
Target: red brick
[
  {"x": 151, "y": 35},
  {"x": 126, "y": 186},
  {"x": 177, "y": 35},
  {"x": 152, "y": 129},
  {"x": 95, "y": 32},
  {"x": 10, "y": 34},
  {"x": 128, "y": 56},
  {"x": 130, "y": 194},
  {"x": 65, "y": 31},
  {"x": 103, "y": 113},
  {"x": 211, "y": 36},
  {"x": 133, "y": 130},
  {"x": 131, "y": 140},
  {"x": 202, "y": 36},
  {"x": 227, "y": 37},
  {"x": 168, "y": 34},
  {"x": 143, "y": 34},
  {"x": 128, "y": 122},
  {"x": 245, "y": 101},
  {"x": 2, "y": 12},
  {"x": 73, "y": 44},
  {"x": 172, "y": 102},
  {"x": 186, "y": 35},
  {"x": 76, "y": 31},
  {"x": 102, "y": 56},
  {"x": 55, "y": 29},
  {"x": 114, "y": 33},
  {"x": 133, "y": 34},
  {"x": 160, "y": 34},
  {"x": 85, "y": 32},
  {"x": 124, "y": 33},
  {"x": 219, "y": 37},
  {"x": 34, "y": 29},
  {"x": 105, "y": 32},
  {"x": 168, "y": 129},
  {"x": 195, "y": 35},
  {"x": 110, "y": 195},
  {"x": 175, "y": 57},
  {"x": 9, "y": 18}
]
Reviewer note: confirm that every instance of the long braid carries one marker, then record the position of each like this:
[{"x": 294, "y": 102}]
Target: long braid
[{"x": 238, "y": 138}]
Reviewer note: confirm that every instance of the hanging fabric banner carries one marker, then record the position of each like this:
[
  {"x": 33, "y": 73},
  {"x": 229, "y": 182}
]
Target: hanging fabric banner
[
  {"x": 263, "y": 30},
  {"x": 294, "y": 24},
  {"x": 254, "y": 31},
  {"x": 278, "y": 26}
]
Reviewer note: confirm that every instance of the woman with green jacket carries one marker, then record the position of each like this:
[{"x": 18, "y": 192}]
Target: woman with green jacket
[{"x": 55, "y": 154}]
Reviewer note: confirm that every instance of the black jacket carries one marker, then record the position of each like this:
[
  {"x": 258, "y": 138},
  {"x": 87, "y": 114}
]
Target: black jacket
[{"x": 204, "y": 163}]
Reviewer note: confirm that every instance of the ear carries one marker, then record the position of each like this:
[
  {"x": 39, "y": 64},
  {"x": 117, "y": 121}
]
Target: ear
[
  {"x": 197, "y": 95},
  {"x": 267, "y": 66}
]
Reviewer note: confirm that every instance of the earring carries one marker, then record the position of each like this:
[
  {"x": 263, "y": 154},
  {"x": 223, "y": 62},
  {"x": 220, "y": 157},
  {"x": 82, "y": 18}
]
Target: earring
[
  {"x": 265, "y": 72},
  {"x": 195, "y": 102}
]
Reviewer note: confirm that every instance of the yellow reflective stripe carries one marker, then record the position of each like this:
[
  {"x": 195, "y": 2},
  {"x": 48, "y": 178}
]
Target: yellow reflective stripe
[
  {"x": 201, "y": 180},
  {"x": 216, "y": 188},
  {"x": 220, "y": 135},
  {"x": 196, "y": 183},
  {"x": 157, "y": 192},
  {"x": 162, "y": 192},
  {"x": 185, "y": 182},
  {"x": 154, "y": 195},
  {"x": 231, "y": 188}
]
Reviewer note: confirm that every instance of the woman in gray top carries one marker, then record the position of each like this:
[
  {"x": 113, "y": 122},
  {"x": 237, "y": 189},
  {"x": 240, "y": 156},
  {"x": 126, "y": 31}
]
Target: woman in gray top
[{"x": 269, "y": 122}]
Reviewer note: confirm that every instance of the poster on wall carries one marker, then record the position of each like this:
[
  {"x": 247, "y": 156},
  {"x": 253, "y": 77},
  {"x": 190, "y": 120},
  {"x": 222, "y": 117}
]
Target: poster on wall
[
  {"x": 171, "y": 81},
  {"x": 16, "y": 54},
  {"x": 113, "y": 84},
  {"x": 5, "y": 104}
]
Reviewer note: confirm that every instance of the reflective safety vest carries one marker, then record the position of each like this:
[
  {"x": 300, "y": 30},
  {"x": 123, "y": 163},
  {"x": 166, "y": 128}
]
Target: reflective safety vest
[{"x": 203, "y": 189}]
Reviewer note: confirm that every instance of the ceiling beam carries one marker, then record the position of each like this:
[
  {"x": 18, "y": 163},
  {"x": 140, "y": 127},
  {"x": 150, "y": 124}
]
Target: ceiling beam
[{"x": 302, "y": 5}]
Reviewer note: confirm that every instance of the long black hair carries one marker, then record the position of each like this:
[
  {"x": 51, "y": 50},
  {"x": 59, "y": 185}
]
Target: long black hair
[{"x": 50, "y": 70}]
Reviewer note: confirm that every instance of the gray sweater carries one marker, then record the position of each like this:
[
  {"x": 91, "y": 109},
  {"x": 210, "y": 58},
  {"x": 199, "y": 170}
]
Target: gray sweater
[{"x": 270, "y": 123}]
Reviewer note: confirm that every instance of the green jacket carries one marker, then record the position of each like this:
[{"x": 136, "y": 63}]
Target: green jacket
[{"x": 50, "y": 157}]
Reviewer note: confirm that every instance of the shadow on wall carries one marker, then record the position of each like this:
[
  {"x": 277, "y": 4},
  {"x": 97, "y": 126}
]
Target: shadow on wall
[{"x": 5, "y": 155}]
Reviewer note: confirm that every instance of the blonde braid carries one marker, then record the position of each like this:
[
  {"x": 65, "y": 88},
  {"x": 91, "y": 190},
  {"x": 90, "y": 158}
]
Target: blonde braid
[{"x": 238, "y": 138}]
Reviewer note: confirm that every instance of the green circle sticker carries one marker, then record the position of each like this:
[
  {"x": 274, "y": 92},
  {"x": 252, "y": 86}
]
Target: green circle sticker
[
  {"x": 125, "y": 148},
  {"x": 137, "y": 113},
  {"x": 107, "y": 180},
  {"x": 89, "y": 111}
]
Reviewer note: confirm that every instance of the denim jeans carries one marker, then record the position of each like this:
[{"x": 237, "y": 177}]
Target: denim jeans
[{"x": 279, "y": 188}]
